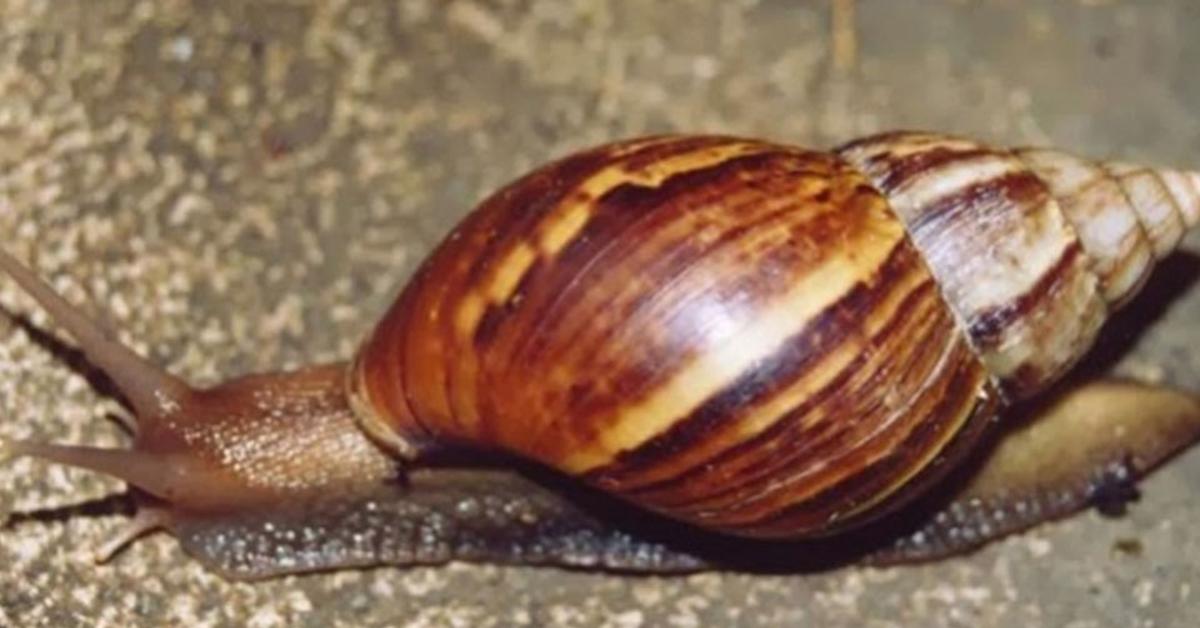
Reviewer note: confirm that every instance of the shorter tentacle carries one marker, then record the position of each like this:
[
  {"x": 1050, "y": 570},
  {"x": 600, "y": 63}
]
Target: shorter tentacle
[{"x": 148, "y": 519}]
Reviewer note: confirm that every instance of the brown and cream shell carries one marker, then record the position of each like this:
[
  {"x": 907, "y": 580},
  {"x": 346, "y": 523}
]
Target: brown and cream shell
[{"x": 760, "y": 339}]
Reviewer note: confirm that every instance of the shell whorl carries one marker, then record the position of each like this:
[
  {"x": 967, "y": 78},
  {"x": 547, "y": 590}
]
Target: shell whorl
[
  {"x": 1032, "y": 248},
  {"x": 754, "y": 338},
  {"x": 1126, "y": 216}
]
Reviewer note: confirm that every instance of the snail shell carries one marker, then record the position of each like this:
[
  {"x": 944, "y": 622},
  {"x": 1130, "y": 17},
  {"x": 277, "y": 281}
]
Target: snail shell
[{"x": 756, "y": 338}]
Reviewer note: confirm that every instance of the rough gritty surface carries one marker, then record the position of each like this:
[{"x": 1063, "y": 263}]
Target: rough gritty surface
[{"x": 244, "y": 186}]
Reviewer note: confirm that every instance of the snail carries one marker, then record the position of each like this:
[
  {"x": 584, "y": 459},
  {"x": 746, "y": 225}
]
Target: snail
[{"x": 657, "y": 353}]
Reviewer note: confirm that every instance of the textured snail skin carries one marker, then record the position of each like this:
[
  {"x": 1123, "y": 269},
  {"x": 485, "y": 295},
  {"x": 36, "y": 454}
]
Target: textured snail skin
[
  {"x": 498, "y": 512},
  {"x": 495, "y": 516},
  {"x": 760, "y": 339}
]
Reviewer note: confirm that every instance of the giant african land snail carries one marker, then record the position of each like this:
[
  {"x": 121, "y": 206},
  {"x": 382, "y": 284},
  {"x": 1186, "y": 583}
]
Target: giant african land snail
[{"x": 748, "y": 338}]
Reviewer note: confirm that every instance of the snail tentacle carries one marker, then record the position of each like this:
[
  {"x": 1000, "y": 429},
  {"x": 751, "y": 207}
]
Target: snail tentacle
[
  {"x": 147, "y": 519},
  {"x": 252, "y": 442},
  {"x": 150, "y": 389}
]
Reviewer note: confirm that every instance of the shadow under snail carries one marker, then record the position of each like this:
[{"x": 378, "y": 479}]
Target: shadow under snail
[{"x": 680, "y": 352}]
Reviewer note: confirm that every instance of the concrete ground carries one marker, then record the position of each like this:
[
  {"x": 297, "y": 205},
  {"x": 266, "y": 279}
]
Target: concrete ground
[{"x": 245, "y": 186}]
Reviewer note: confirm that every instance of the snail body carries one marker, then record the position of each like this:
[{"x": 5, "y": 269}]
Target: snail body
[{"x": 754, "y": 339}]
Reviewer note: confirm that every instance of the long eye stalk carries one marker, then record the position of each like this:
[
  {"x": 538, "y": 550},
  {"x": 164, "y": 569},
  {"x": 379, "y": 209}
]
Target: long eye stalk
[
  {"x": 152, "y": 391},
  {"x": 149, "y": 388}
]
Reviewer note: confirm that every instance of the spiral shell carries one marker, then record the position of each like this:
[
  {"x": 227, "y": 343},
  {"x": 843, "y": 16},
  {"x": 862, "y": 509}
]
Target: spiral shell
[
  {"x": 756, "y": 338},
  {"x": 1031, "y": 247}
]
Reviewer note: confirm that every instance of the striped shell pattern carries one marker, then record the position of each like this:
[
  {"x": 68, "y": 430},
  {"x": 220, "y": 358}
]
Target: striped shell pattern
[{"x": 760, "y": 339}]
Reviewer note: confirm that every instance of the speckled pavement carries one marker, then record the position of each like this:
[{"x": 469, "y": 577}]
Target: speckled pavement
[{"x": 245, "y": 186}]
